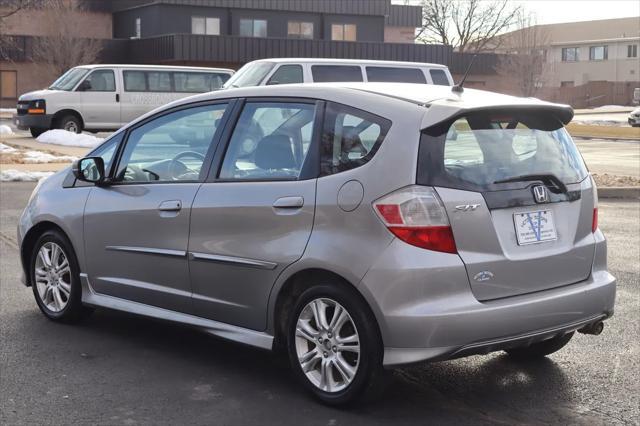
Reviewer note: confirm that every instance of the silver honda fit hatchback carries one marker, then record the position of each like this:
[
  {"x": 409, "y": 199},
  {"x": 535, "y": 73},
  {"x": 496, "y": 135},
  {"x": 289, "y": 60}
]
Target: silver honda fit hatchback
[{"x": 357, "y": 227}]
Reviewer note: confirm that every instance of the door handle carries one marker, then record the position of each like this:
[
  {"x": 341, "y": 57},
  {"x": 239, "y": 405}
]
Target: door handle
[
  {"x": 117, "y": 97},
  {"x": 289, "y": 203},
  {"x": 170, "y": 206}
]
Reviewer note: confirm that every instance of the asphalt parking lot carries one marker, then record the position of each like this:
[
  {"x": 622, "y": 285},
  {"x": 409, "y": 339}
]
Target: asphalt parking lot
[{"x": 121, "y": 369}]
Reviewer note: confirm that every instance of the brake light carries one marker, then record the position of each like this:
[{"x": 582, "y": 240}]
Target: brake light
[
  {"x": 594, "y": 221},
  {"x": 417, "y": 216}
]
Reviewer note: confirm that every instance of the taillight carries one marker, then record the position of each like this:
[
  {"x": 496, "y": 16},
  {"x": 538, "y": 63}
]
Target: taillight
[
  {"x": 594, "y": 221},
  {"x": 416, "y": 215}
]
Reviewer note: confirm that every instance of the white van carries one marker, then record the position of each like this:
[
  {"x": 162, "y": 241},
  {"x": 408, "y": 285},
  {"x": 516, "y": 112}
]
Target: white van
[
  {"x": 312, "y": 70},
  {"x": 105, "y": 97}
]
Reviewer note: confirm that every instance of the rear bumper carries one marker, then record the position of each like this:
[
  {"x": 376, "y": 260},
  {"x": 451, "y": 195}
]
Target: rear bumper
[
  {"x": 437, "y": 317},
  {"x": 39, "y": 121}
]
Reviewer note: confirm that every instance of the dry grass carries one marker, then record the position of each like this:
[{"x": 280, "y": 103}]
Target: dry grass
[{"x": 616, "y": 132}]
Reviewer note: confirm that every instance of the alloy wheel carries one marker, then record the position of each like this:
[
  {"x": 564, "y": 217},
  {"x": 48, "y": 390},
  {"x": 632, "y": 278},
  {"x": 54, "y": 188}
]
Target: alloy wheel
[
  {"x": 53, "y": 277},
  {"x": 327, "y": 345}
]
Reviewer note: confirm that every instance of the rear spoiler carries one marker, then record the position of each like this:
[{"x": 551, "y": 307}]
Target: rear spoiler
[{"x": 438, "y": 114}]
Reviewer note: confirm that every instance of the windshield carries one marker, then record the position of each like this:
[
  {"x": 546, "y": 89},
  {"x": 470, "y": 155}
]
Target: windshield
[
  {"x": 249, "y": 75},
  {"x": 485, "y": 151},
  {"x": 69, "y": 79}
]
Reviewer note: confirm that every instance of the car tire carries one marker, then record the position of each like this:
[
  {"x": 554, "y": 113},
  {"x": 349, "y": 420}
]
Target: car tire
[
  {"x": 70, "y": 123},
  {"x": 37, "y": 131},
  {"x": 540, "y": 349},
  {"x": 55, "y": 278},
  {"x": 321, "y": 350}
]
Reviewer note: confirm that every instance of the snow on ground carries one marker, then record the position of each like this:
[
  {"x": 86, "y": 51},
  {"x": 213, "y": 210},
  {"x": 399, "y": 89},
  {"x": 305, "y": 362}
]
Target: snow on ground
[
  {"x": 31, "y": 157},
  {"x": 62, "y": 137},
  {"x": 6, "y": 149},
  {"x": 22, "y": 176},
  {"x": 8, "y": 110},
  {"x": 5, "y": 130},
  {"x": 610, "y": 108}
]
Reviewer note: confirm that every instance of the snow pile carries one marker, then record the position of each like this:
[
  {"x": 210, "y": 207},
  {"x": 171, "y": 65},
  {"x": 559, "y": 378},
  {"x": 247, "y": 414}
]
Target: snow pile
[
  {"x": 6, "y": 149},
  {"x": 5, "y": 130},
  {"x": 62, "y": 137},
  {"x": 610, "y": 108},
  {"x": 31, "y": 157},
  {"x": 22, "y": 176}
]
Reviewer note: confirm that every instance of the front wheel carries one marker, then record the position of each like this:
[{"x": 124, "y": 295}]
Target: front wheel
[
  {"x": 334, "y": 345},
  {"x": 55, "y": 278},
  {"x": 70, "y": 123}
]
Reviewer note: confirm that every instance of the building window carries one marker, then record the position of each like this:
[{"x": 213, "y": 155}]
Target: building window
[
  {"x": 632, "y": 51},
  {"x": 570, "y": 54},
  {"x": 138, "y": 28},
  {"x": 567, "y": 84},
  {"x": 253, "y": 28},
  {"x": 8, "y": 84},
  {"x": 203, "y": 25},
  {"x": 298, "y": 29},
  {"x": 343, "y": 32},
  {"x": 598, "y": 53}
]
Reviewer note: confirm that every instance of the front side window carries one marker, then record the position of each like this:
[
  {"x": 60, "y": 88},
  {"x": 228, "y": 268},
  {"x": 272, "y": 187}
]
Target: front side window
[
  {"x": 344, "y": 32},
  {"x": 287, "y": 74},
  {"x": 101, "y": 81},
  {"x": 439, "y": 77},
  {"x": 598, "y": 53},
  {"x": 334, "y": 73},
  {"x": 481, "y": 151},
  {"x": 350, "y": 138},
  {"x": 297, "y": 29},
  {"x": 170, "y": 148},
  {"x": 395, "y": 75},
  {"x": 205, "y": 25},
  {"x": 253, "y": 28},
  {"x": 270, "y": 142},
  {"x": 570, "y": 54}
]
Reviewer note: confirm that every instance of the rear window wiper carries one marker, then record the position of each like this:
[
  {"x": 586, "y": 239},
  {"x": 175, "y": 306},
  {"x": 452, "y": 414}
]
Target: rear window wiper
[{"x": 548, "y": 179}]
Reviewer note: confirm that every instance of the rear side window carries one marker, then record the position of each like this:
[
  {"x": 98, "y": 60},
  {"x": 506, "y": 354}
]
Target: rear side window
[
  {"x": 480, "y": 151},
  {"x": 439, "y": 77},
  {"x": 191, "y": 82},
  {"x": 159, "y": 81},
  {"x": 167, "y": 81},
  {"x": 287, "y": 74},
  {"x": 135, "y": 81},
  {"x": 395, "y": 75},
  {"x": 332, "y": 73},
  {"x": 350, "y": 138}
]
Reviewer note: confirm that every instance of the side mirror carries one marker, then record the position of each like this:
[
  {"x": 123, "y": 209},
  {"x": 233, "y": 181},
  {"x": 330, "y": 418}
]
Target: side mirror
[
  {"x": 84, "y": 86},
  {"x": 89, "y": 169}
]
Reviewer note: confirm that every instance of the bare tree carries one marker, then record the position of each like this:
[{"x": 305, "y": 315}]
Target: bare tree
[
  {"x": 465, "y": 24},
  {"x": 64, "y": 47},
  {"x": 11, "y": 7},
  {"x": 525, "y": 58}
]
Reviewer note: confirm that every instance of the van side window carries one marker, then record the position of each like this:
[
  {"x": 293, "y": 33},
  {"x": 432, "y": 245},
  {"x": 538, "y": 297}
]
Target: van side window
[
  {"x": 159, "y": 81},
  {"x": 287, "y": 74},
  {"x": 135, "y": 81},
  {"x": 270, "y": 141},
  {"x": 395, "y": 75},
  {"x": 439, "y": 77},
  {"x": 101, "y": 81},
  {"x": 350, "y": 138},
  {"x": 330, "y": 73},
  {"x": 195, "y": 82}
]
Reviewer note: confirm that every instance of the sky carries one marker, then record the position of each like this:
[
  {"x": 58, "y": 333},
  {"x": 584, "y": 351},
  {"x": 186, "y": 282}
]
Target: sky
[{"x": 554, "y": 11}]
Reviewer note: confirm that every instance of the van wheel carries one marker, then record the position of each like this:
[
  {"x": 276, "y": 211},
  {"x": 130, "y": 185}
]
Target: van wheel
[
  {"x": 37, "y": 131},
  {"x": 540, "y": 349},
  {"x": 70, "y": 123},
  {"x": 334, "y": 345},
  {"x": 56, "y": 279}
]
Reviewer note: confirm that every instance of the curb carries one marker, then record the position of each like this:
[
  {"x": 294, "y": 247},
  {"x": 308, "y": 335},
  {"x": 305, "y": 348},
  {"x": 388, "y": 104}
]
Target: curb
[{"x": 627, "y": 192}]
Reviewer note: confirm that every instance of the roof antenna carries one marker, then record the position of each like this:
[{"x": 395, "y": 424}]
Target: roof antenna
[{"x": 458, "y": 88}]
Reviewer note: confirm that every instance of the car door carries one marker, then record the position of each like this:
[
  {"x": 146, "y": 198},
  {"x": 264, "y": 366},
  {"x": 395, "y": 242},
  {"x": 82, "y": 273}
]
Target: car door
[
  {"x": 100, "y": 100},
  {"x": 253, "y": 217},
  {"x": 137, "y": 227}
]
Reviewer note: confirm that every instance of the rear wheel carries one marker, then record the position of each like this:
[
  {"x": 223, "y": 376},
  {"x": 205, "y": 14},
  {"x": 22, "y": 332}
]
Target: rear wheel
[
  {"x": 70, "y": 123},
  {"x": 334, "y": 345},
  {"x": 540, "y": 349},
  {"x": 55, "y": 278},
  {"x": 37, "y": 131}
]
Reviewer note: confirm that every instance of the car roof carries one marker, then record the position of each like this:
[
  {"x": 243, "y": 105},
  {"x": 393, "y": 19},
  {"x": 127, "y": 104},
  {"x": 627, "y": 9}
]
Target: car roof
[
  {"x": 162, "y": 67},
  {"x": 351, "y": 61}
]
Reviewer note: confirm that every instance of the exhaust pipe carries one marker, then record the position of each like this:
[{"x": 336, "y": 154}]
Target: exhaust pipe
[{"x": 594, "y": 328}]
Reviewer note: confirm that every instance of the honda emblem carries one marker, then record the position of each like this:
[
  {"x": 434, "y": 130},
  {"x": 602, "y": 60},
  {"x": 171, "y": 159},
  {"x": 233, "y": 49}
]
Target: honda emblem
[{"x": 540, "y": 194}]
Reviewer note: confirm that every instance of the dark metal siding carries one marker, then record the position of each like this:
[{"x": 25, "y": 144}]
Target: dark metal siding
[{"x": 404, "y": 16}]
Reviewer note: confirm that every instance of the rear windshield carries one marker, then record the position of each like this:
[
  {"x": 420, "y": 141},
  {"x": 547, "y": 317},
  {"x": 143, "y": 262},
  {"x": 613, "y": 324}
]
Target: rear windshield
[{"x": 482, "y": 151}]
